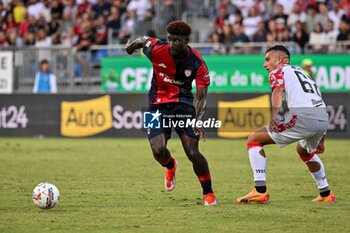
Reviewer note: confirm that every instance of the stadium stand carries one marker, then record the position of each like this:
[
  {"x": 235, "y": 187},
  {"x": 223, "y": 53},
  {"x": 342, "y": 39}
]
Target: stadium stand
[{"x": 76, "y": 34}]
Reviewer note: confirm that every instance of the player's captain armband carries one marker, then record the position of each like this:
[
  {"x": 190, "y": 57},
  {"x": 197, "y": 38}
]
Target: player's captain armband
[
  {"x": 276, "y": 80},
  {"x": 202, "y": 77}
]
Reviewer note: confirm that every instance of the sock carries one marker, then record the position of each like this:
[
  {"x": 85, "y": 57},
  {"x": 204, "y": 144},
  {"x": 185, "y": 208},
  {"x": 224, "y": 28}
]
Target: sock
[
  {"x": 170, "y": 163},
  {"x": 258, "y": 163},
  {"x": 325, "y": 193},
  {"x": 260, "y": 189},
  {"x": 320, "y": 175},
  {"x": 206, "y": 183}
]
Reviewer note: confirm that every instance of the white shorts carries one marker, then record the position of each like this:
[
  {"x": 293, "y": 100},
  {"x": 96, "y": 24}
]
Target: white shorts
[{"x": 307, "y": 131}]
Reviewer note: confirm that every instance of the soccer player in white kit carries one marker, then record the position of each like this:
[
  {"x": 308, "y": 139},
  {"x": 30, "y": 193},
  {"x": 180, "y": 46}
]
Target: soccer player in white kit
[{"x": 305, "y": 123}]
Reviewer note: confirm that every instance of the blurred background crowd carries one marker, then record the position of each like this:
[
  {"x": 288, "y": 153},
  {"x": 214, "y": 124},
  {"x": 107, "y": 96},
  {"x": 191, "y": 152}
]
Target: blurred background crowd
[{"x": 82, "y": 23}]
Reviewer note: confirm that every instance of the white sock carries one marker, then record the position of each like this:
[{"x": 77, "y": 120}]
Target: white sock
[
  {"x": 258, "y": 164},
  {"x": 319, "y": 176}
]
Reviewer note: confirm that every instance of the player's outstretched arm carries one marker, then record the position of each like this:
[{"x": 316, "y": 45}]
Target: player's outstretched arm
[
  {"x": 136, "y": 44},
  {"x": 201, "y": 104}
]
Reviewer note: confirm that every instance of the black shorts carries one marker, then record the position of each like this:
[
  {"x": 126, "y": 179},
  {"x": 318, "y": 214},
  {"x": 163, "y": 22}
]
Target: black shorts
[{"x": 172, "y": 113}]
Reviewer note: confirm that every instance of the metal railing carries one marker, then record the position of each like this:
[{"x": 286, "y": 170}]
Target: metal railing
[{"x": 79, "y": 71}]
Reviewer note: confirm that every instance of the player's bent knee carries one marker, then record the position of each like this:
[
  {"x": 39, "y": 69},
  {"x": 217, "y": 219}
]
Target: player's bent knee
[
  {"x": 251, "y": 137},
  {"x": 302, "y": 152},
  {"x": 253, "y": 144}
]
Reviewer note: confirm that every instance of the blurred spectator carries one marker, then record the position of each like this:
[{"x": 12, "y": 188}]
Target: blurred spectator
[
  {"x": 29, "y": 39},
  {"x": 68, "y": 38},
  {"x": 127, "y": 28},
  {"x": 306, "y": 65},
  {"x": 322, "y": 16},
  {"x": 221, "y": 19},
  {"x": 85, "y": 40},
  {"x": 318, "y": 39},
  {"x": 13, "y": 39},
  {"x": 336, "y": 14},
  {"x": 120, "y": 4},
  {"x": 35, "y": 8},
  {"x": 305, "y": 4},
  {"x": 84, "y": 7},
  {"x": 45, "y": 80},
  {"x": 231, "y": 9},
  {"x": 300, "y": 36},
  {"x": 310, "y": 18},
  {"x": 287, "y": 5},
  {"x": 43, "y": 41},
  {"x": 9, "y": 23},
  {"x": 236, "y": 17},
  {"x": 238, "y": 35},
  {"x": 101, "y": 31},
  {"x": 260, "y": 34},
  {"x": 283, "y": 35},
  {"x": 345, "y": 6},
  {"x": 3, "y": 40},
  {"x": 216, "y": 39},
  {"x": 45, "y": 13},
  {"x": 251, "y": 22},
  {"x": 296, "y": 15},
  {"x": 56, "y": 7},
  {"x": 113, "y": 21},
  {"x": 54, "y": 25},
  {"x": 69, "y": 13},
  {"x": 226, "y": 34},
  {"x": 142, "y": 8},
  {"x": 271, "y": 31},
  {"x": 343, "y": 31},
  {"x": 3, "y": 13},
  {"x": 279, "y": 17},
  {"x": 270, "y": 9},
  {"x": 19, "y": 12},
  {"x": 31, "y": 26},
  {"x": 101, "y": 8},
  {"x": 331, "y": 35},
  {"x": 243, "y": 5}
]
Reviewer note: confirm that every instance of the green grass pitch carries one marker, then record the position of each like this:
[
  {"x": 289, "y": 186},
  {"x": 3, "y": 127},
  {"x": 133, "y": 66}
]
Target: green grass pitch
[{"x": 114, "y": 185}]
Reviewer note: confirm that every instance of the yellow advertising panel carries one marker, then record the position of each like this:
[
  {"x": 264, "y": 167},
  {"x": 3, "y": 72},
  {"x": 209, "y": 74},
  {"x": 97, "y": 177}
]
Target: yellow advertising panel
[
  {"x": 86, "y": 118},
  {"x": 240, "y": 118}
]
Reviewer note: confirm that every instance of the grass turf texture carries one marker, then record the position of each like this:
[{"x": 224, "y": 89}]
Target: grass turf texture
[{"x": 114, "y": 185}]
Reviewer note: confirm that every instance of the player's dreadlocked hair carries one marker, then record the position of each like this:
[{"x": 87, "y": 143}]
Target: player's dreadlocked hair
[
  {"x": 179, "y": 28},
  {"x": 280, "y": 48}
]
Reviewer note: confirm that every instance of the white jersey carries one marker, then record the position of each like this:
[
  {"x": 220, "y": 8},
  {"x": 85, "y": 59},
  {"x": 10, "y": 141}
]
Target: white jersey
[{"x": 301, "y": 93}]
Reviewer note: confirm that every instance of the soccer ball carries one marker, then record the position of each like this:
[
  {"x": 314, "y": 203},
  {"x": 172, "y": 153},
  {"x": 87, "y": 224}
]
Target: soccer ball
[{"x": 46, "y": 195}]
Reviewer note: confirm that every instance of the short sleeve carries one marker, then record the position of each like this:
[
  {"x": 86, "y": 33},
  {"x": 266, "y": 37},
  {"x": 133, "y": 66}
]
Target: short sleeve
[
  {"x": 202, "y": 76},
  {"x": 148, "y": 48},
  {"x": 276, "y": 79}
]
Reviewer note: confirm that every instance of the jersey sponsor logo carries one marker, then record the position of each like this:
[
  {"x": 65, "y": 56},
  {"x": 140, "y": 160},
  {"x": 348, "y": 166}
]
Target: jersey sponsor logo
[
  {"x": 162, "y": 65},
  {"x": 86, "y": 118},
  {"x": 172, "y": 81},
  {"x": 188, "y": 73}
]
